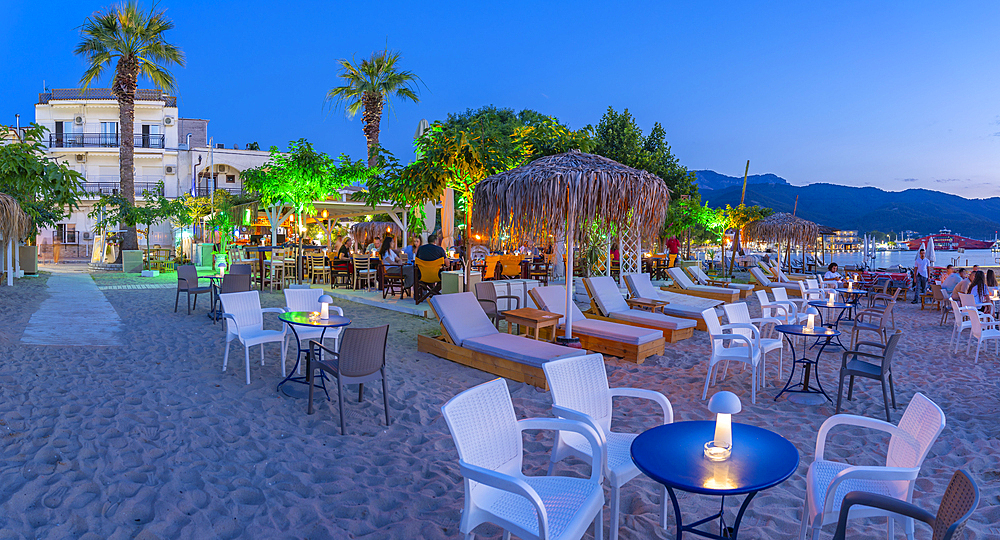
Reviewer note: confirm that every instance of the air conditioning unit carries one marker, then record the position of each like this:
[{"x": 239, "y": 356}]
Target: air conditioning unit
[
  {"x": 78, "y": 120},
  {"x": 168, "y": 120},
  {"x": 221, "y": 168},
  {"x": 81, "y": 158},
  {"x": 86, "y": 235},
  {"x": 170, "y": 169}
]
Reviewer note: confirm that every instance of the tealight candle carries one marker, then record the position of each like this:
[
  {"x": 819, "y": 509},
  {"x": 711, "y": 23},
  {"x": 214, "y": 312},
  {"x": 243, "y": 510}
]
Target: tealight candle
[
  {"x": 830, "y": 302},
  {"x": 811, "y": 322}
]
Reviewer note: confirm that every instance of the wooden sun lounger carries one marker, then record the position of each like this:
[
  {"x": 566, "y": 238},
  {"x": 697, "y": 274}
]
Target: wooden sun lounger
[{"x": 670, "y": 335}]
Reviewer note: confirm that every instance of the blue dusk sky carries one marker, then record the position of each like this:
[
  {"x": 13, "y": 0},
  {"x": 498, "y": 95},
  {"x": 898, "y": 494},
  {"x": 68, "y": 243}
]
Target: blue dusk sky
[{"x": 895, "y": 95}]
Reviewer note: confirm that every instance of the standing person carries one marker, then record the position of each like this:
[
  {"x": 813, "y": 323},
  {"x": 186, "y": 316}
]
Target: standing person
[
  {"x": 432, "y": 250},
  {"x": 920, "y": 267},
  {"x": 673, "y": 249}
]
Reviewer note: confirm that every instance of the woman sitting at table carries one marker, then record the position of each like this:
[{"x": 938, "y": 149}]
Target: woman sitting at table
[
  {"x": 991, "y": 281},
  {"x": 980, "y": 292},
  {"x": 387, "y": 252},
  {"x": 411, "y": 250},
  {"x": 345, "y": 249}
]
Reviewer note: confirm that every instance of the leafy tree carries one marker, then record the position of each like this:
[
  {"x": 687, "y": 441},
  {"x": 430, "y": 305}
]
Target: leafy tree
[
  {"x": 368, "y": 85},
  {"x": 134, "y": 40},
  {"x": 114, "y": 209},
  {"x": 618, "y": 137},
  {"x": 46, "y": 189},
  {"x": 737, "y": 218},
  {"x": 688, "y": 219}
]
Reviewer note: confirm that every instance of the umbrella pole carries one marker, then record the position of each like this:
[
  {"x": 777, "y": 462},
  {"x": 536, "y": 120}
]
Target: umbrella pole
[{"x": 569, "y": 268}]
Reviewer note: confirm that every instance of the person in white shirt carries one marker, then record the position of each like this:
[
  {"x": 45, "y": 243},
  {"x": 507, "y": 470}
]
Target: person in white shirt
[
  {"x": 921, "y": 265},
  {"x": 832, "y": 274}
]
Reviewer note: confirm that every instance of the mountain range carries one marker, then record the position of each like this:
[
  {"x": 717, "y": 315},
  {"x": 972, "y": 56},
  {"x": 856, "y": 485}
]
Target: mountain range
[{"x": 865, "y": 209}]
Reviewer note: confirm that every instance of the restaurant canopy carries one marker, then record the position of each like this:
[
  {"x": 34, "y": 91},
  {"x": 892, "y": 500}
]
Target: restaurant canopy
[
  {"x": 15, "y": 225},
  {"x": 782, "y": 227},
  {"x": 366, "y": 232}
]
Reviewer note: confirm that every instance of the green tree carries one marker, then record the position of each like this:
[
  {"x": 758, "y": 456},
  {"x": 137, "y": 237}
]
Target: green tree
[
  {"x": 369, "y": 85},
  {"x": 46, "y": 189},
  {"x": 618, "y": 137},
  {"x": 134, "y": 40},
  {"x": 737, "y": 218},
  {"x": 115, "y": 209}
]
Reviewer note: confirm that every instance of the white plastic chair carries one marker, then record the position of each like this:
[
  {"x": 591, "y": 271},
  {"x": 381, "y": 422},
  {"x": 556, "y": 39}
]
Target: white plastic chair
[
  {"x": 738, "y": 313},
  {"x": 984, "y": 331},
  {"x": 828, "y": 481},
  {"x": 801, "y": 304},
  {"x": 747, "y": 349},
  {"x": 245, "y": 322},
  {"x": 580, "y": 392},
  {"x": 785, "y": 311},
  {"x": 810, "y": 290},
  {"x": 302, "y": 299},
  {"x": 962, "y": 321},
  {"x": 489, "y": 442}
]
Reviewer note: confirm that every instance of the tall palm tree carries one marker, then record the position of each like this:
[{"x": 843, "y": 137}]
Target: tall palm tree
[
  {"x": 369, "y": 85},
  {"x": 134, "y": 39}
]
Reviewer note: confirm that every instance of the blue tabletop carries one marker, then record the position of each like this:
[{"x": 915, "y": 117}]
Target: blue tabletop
[
  {"x": 827, "y": 304},
  {"x": 800, "y": 330},
  {"x": 673, "y": 455}
]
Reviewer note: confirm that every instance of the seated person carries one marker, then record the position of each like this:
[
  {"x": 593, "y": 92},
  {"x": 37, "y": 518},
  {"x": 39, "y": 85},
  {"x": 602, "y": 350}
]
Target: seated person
[
  {"x": 345, "y": 249},
  {"x": 963, "y": 285},
  {"x": 832, "y": 274},
  {"x": 387, "y": 252},
  {"x": 411, "y": 249},
  {"x": 432, "y": 250},
  {"x": 950, "y": 279}
]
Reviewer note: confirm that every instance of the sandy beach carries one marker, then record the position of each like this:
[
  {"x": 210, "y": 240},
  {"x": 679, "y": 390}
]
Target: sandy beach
[{"x": 148, "y": 438}]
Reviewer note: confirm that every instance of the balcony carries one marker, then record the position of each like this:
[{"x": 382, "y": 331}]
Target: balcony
[
  {"x": 109, "y": 188},
  {"x": 205, "y": 191},
  {"x": 103, "y": 140}
]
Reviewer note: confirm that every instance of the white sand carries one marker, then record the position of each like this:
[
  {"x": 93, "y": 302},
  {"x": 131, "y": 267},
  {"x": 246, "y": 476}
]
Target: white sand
[{"x": 151, "y": 440}]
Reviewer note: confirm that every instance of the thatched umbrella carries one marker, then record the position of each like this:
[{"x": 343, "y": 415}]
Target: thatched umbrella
[
  {"x": 15, "y": 225},
  {"x": 782, "y": 227},
  {"x": 368, "y": 231},
  {"x": 562, "y": 193}
]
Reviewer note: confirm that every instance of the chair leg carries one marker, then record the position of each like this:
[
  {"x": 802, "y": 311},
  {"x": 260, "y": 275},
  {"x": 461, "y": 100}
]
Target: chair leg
[
  {"x": 892, "y": 390},
  {"x": 708, "y": 378},
  {"x": 885, "y": 401},
  {"x": 340, "y": 403},
  {"x": 663, "y": 508},
  {"x": 246, "y": 358},
  {"x": 189, "y": 302},
  {"x": 225, "y": 355},
  {"x": 850, "y": 389},
  {"x": 385, "y": 398},
  {"x": 615, "y": 512},
  {"x": 177, "y": 298},
  {"x": 361, "y": 392},
  {"x": 978, "y": 345},
  {"x": 262, "y": 354},
  {"x": 840, "y": 392},
  {"x": 598, "y": 525}
]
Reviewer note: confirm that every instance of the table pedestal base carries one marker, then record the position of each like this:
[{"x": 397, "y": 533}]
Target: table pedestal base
[
  {"x": 725, "y": 532},
  {"x": 801, "y": 398}
]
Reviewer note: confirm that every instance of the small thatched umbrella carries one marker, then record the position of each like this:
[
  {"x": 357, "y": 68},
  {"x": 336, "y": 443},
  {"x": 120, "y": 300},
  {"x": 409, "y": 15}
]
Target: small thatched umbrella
[
  {"x": 15, "y": 225},
  {"x": 366, "y": 232},
  {"x": 782, "y": 227},
  {"x": 562, "y": 193}
]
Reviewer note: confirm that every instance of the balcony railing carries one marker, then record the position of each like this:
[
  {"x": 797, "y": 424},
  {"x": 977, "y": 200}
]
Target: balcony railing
[
  {"x": 205, "y": 191},
  {"x": 109, "y": 188},
  {"x": 103, "y": 140}
]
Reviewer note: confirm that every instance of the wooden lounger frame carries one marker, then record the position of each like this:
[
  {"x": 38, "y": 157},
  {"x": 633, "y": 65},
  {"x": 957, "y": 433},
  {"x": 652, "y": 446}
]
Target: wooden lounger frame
[
  {"x": 671, "y": 336},
  {"x": 718, "y": 283},
  {"x": 725, "y": 297},
  {"x": 632, "y": 352}
]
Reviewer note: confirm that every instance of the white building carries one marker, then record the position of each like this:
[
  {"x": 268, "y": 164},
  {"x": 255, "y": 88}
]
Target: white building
[{"x": 84, "y": 132}]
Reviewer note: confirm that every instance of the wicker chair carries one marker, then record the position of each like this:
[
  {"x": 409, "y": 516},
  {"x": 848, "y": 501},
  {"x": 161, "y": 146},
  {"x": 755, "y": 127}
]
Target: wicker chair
[
  {"x": 486, "y": 293},
  {"x": 852, "y": 366},
  {"x": 361, "y": 359},
  {"x": 187, "y": 282}
]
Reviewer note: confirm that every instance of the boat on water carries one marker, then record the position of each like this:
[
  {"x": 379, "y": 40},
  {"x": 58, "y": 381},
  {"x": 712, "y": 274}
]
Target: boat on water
[{"x": 945, "y": 240}]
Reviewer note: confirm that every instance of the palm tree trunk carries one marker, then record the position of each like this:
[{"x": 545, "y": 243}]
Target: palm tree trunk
[
  {"x": 125, "y": 82},
  {"x": 372, "y": 117}
]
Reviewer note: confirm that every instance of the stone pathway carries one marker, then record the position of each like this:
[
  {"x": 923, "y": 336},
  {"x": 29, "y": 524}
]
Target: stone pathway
[{"x": 76, "y": 313}]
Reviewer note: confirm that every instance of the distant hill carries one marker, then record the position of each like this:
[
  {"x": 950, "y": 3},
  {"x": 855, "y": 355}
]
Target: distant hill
[
  {"x": 868, "y": 208},
  {"x": 715, "y": 181}
]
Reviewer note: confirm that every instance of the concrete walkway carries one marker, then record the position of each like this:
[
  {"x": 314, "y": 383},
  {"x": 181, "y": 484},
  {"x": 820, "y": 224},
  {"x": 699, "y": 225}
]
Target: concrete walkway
[{"x": 76, "y": 313}]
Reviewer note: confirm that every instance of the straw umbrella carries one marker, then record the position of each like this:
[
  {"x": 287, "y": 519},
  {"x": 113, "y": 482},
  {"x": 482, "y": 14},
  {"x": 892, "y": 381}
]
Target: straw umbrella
[
  {"x": 564, "y": 192},
  {"x": 15, "y": 225},
  {"x": 368, "y": 231},
  {"x": 782, "y": 227}
]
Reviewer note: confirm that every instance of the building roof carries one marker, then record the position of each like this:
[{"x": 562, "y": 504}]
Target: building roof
[{"x": 141, "y": 94}]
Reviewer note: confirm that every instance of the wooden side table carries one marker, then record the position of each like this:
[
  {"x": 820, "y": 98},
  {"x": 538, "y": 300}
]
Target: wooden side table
[
  {"x": 647, "y": 304},
  {"x": 534, "y": 319}
]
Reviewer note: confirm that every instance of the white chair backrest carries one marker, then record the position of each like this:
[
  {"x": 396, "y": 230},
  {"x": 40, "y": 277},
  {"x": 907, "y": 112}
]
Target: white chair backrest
[
  {"x": 580, "y": 383},
  {"x": 961, "y": 315},
  {"x": 780, "y": 294},
  {"x": 758, "y": 274},
  {"x": 976, "y": 325},
  {"x": 553, "y": 299},
  {"x": 714, "y": 328},
  {"x": 302, "y": 299},
  {"x": 245, "y": 308},
  {"x": 680, "y": 278},
  {"x": 737, "y": 313},
  {"x": 609, "y": 299},
  {"x": 484, "y": 427},
  {"x": 764, "y": 300},
  {"x": 919, "y": 427},
  {"x": 462, "y": 316},
  {"x": 641, "y": 286},
  {"x": 967, "y": 300}
]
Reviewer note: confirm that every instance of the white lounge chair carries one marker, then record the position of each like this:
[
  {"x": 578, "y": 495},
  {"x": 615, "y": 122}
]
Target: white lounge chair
[
  {"x": 681, "y": 305},
  {"x": 608, "y": 303},
  {"x": 580, "y": 392},
  {"x": 303, "y": 299},
  {"x": 245, "y": 322},
  {"x": 766, "y": 282},
  {"x": 469, "y": 338},
  {"x": 702, "y": 278},
  {"x": 488, "y": 438},
  {"x": 632, "y": 343},
  {"x": 732, "y": 346},
  {"x": 684, "y": 285},
  {"x": 828, "y": 481}
]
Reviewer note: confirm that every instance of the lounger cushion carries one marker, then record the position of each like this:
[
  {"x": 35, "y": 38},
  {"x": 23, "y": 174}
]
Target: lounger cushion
[
  {"x": 553, "y": 299},
  {"x": 653, "y": 319},
  {"x": 611, "y": 331},
  {"x": 681, "y": 305},
  {"x": 741, "y": 286},
  {"x": 462, "y": 316},
  {"x": 520, "y": 349},
  {"x": 609, "y": 299}
]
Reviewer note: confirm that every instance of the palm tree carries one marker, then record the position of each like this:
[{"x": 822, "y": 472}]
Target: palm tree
[
  {"x": 370, "y": 84},
  {"x": 134, "y": 39}
]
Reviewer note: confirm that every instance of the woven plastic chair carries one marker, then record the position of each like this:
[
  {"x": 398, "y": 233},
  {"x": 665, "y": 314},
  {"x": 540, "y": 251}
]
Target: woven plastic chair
[
  {"x": 187, "y": 282},
  {"x": 959, "y": 502},
  {"x": 307, "y": 299},
  {"x": 245, "y": 322},
  {"x": 488, "y": 438},
  {"x": 746, "y": 349},
  {"x": 241, "y": 269},
  {"x": 361, "y": 359},
  {"x": 828, "y": 481},
  {"x": 738, "y": 313},
  {"x": 580, "y": 392},
  {"x": 853, "y": 366},
  {"x": 486, "y": 293}
]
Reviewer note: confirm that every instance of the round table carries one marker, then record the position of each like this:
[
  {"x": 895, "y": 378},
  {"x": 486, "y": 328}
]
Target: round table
[
  {"x": 805, "y": 394},
  {"x": 311, "y": 319},
  {"x": 851, "y": 296},
  {"x": 673, "y": 455},
  {"x": 215, "y": 282},
  {"x": 820, "y": 305}
]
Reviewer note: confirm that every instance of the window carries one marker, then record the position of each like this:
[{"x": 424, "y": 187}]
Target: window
[
  {"x": 151, "y": 137},
  {"x": 230, "y": 178},
  {"x": 109, "y": 134}
]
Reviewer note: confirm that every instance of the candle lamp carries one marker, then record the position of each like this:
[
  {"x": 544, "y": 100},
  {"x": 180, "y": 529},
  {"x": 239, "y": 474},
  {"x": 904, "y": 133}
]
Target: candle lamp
[
  {"x": 830, "y": 301},
  {"x": 324, "y": 310},
  {"x": 724, "y": 405},
  {"x": 811, "y": 322}
]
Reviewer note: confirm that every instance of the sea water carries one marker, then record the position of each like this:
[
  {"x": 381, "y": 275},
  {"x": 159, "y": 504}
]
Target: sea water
[{"x": 891, "y": 259}]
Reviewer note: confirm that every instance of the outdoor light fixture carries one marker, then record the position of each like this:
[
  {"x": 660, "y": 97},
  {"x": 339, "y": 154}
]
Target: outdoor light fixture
[
  {"x": 831, "y": 299},
  {"x": 811, "y": 322},
  {"x": 222, "y": 267},
  {"x": 724, "y": 405},
  {"x": 324, "y": 310}
]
